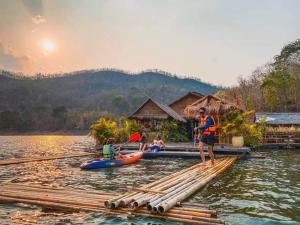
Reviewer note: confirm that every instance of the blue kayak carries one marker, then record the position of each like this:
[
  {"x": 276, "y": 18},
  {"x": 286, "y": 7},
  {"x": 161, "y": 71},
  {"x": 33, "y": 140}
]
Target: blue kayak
[{"x": 106, "y": 163}]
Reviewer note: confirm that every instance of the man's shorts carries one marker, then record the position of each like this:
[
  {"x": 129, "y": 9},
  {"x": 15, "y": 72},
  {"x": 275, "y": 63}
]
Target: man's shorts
[
  {"x": 208, "y": 139},
  {"x": 154, "y": 148}
]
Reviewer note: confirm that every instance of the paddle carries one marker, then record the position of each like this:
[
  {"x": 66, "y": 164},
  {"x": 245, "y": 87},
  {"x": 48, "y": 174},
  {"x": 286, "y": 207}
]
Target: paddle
[{"x": 132, "y": 138}]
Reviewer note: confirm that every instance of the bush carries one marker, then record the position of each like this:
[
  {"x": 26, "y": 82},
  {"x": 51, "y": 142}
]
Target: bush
[
  {"x": 172, "y": 132},
  {"x": 238, "y": 125},
  {"x": 103, "y": 129}
]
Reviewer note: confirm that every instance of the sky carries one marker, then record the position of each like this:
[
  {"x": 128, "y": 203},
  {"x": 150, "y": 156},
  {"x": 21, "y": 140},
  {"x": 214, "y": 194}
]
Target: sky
[{"x": 214, "y": 40}]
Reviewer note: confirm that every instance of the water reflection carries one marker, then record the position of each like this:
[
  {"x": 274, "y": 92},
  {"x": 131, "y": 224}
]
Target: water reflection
[{"x": 250, "y": 192}]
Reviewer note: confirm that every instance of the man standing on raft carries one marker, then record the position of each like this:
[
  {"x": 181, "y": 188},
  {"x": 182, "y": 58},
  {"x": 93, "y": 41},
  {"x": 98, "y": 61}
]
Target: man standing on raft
[{"x": 207, "y": 130}]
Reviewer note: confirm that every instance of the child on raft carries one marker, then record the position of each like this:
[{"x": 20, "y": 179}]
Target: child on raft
[{"x": 157, "y": 144}]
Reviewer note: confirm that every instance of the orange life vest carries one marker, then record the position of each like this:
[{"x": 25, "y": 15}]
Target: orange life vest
[{"x": 211, "y": 129}]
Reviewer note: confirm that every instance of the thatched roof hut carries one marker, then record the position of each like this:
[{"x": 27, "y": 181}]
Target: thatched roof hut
[
  {"x": 153, "y": 110},
  {"x": 180, "y": 104},
  {"x": 213, "y": 104},
  {"x": 216, "y": 107}
]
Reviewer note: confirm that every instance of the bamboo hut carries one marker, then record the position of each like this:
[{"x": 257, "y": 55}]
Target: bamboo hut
[
  {"x": 152, "y": 114},
  {"x": 180, "y": 104},
  {"x": 216, "y": 106}
]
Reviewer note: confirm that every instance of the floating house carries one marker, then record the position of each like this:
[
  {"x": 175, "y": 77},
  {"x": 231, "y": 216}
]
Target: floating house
[
  {"x": 152, "y": 114},
  {"x": 283, "y": 129},
  {"x": 279, "y": 119}
]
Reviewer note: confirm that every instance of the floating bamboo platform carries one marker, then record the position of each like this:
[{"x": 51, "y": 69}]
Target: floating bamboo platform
[
  {"x": 162, "y": 199},
  {"x": 185, "y": 154},
  {"x": 26, "y": 160},
  {"x": 190, "y": 147}
]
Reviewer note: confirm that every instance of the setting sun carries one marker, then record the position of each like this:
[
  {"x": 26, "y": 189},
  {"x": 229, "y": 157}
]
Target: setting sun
[{"x": 48, "y": 46}]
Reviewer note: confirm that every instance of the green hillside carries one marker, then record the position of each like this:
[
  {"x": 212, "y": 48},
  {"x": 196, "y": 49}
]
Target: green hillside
[{"x": 72, "y": 101}]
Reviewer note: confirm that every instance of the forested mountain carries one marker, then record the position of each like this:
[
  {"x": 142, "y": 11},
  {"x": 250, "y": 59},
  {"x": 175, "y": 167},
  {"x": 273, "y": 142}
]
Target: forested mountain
[{"x": 74, "y": 100}]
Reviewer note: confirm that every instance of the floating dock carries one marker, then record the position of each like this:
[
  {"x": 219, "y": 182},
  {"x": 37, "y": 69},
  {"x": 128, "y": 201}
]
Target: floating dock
[
  {"x": 167, "y": 193},
  {"x": 190, "y": 151}
]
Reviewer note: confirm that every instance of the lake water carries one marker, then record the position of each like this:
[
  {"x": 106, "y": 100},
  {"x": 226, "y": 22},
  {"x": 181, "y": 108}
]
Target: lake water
[{"x": 255, "y": 191}]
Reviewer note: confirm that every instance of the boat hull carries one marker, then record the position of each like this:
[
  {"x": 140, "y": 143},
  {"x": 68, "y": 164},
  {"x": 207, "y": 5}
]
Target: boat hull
[{"x": 102, "y": 163}]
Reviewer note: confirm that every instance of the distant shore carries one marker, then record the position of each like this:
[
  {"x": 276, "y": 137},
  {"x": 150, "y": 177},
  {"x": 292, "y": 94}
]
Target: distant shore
[{"x": 32, "y": 133}]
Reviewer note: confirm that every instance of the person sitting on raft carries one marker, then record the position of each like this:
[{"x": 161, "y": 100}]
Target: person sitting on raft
[
  {"x": 110, "y": 151},
  {"x": 157, "y": 144},
  {"x": 143, "y": 142}
]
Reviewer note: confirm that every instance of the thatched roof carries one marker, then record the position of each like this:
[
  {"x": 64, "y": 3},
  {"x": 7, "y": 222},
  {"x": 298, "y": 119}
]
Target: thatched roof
[
  {"x": 180, "y": 104},
  {"x": 212, "y": 103},
  {"x": 154, "y": 110}
]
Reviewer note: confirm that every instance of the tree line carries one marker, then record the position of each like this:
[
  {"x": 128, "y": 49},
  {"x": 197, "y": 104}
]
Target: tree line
[{"x": 274, "y": 87}]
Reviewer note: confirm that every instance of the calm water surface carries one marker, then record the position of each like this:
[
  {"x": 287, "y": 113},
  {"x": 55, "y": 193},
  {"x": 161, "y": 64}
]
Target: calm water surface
[{"x": 261, "y": 191}]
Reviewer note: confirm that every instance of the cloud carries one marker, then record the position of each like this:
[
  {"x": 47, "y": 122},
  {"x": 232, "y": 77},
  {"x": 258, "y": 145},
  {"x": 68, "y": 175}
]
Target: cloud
[
  {"x": 38, "y": 19},
  {"x": 34, "y": 7},
  {"x": 36, "y": 10},
  {"x": 11, "y": 60}
]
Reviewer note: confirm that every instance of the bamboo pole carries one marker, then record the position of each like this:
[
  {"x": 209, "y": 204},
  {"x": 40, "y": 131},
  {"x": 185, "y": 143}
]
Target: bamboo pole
[
  {"x": 146, "y": 190},
  {"x": 55, "y": 188},
  {"x": 25, "y": 160},
  {"x": 49, "y": 192},
  {"x": 41, "y": 198},
  {"x": 192, "y": 204}
]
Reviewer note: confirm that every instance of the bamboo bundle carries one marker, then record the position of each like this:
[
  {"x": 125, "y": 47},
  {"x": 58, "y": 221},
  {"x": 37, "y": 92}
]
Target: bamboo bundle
[
  {"x": 159, "y": 185},
  {"x": 170, "y": 202},
  {"x": 154, "y": 204},
  {"x": 173, "y": 184},
  {"x": 177, "y": 187}
]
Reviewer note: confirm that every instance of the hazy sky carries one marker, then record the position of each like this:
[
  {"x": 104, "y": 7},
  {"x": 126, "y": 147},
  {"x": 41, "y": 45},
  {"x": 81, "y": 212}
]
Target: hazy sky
[{"x": 215, "y": 40}]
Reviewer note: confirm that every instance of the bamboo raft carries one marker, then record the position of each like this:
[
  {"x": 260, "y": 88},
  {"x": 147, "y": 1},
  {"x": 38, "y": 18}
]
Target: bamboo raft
[
  {"x": 171, "y": 189},
  {"x": 26, "y": 160},
  {"x": 162, "y": 199}
]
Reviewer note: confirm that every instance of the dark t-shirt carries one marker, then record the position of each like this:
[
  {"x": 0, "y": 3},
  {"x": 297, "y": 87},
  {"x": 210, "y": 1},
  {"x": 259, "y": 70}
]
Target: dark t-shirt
[{"x": 143, "y": 139}]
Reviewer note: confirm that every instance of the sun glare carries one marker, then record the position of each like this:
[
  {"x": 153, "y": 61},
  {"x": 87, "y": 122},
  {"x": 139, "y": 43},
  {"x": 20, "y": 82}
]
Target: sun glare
[{"x": 48, "y": 46}]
